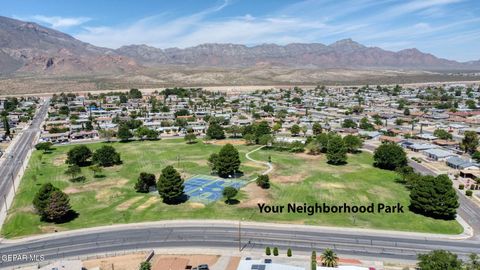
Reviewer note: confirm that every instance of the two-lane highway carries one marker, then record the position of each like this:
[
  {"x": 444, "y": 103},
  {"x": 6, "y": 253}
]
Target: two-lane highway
[
  {"x": 225, "y": 235},
  {"x": 18, "y": 153}
]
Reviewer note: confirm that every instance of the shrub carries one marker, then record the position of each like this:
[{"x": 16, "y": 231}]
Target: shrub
[
  {"x": 263, "y": 181},
  {"x": 78, "y": 179},
  {"x": 275, "y": 251},
  {"x": 289, "y": 252},
  {"x": 461, "y": 186},
  {"x": 268, "y": 252},
  {"x": 469, "y": 193},
  {"x": 472, "y": 187}
]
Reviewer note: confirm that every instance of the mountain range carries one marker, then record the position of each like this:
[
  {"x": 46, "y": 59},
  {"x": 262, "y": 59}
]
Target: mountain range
[{"x": 28, "y": 48}]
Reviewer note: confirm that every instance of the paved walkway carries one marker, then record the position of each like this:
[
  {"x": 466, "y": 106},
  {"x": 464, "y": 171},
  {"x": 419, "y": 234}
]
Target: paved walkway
[{"x": 268, "y": 164}]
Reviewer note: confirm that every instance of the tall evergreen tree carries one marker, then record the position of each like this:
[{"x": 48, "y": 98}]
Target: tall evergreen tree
[
  {"x": 170, "y": 186},
  {"x": 435, "y": 197},
  {"x": 228, "y": 161},
  {"x": 336, "y": 151},
  {"x": 58, "y": 207},
  {"x": 40, "y": 200}
]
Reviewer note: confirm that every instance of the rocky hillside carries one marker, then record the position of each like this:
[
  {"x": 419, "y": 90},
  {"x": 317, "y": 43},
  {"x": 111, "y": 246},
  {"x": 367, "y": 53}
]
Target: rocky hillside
[
  {"x": 28, "y": 48},
  {"x": 341, "y": 54},
  {"x": 31, "y": 48}
]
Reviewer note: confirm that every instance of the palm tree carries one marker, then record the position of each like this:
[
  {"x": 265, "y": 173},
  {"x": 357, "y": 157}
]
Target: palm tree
[{"x": 329, "y": 258}]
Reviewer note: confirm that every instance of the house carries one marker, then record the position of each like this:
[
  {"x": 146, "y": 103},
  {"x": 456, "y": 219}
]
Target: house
[
  {"x": 461, "y": 164},
  {"x": 438, "y": 154},
  {"x": 261, "y": 265},
  {"x": 64, "y": 265},
  {"x": 417, "y": 147}
]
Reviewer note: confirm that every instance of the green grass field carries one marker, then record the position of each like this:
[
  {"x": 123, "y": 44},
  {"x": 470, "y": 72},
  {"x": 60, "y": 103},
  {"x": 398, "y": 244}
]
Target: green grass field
[{"x": 297, "y": 178}]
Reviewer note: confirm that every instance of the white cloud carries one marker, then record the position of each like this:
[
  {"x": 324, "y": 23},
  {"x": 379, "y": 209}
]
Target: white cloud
[{"x": 60, "y": 22}]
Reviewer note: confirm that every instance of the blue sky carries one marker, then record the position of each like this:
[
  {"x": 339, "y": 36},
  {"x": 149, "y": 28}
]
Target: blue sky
[{"x": 445, "y": 28}]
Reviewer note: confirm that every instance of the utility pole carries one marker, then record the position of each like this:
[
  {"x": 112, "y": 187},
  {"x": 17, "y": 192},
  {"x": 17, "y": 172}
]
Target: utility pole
[{"x": 240, "y": 235}]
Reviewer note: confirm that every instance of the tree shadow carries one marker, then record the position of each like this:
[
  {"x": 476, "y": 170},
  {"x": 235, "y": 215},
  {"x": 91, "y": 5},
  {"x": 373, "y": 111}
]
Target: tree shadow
[
  {"x": 232, "y": 201},
  {"x": 337, "y": 163},
  {"x": 182, "y": 199}
]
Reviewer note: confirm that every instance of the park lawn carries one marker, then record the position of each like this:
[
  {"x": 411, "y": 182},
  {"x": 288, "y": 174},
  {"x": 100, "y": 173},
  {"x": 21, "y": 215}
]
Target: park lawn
[{"x": 297, "y": 178}]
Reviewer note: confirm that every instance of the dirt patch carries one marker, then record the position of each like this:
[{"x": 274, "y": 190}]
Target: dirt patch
[
  {"x": 51, "y": 229},
  {"x": 125, "y": 262},
  {"x": 174, "y": 262},
  {"x": 126, "y": 204},
  {"x": 60, "y": 160},
  {"x": 255, "y": 194},
  {"x": 329, "y": 185},
  {"x": 233, "y": 142},
  {"x": 151, "y": 201},
  {"x": 96, "y": 186},
  {"x": 26, "y": 209},
  {"x": 233, "y": 263},
  {"x": 287, "y": 179},
  {"x": 308, "y": 156},
  {"x": 196, "y": 205},
  {"x": 105, "y": 195}
]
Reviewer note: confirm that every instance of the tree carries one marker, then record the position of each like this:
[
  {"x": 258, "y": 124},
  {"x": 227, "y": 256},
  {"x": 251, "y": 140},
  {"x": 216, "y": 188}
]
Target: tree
[
  {"x": 389, "y": 156},
  {"x": 229, "y": 193},
  {"x": 249, "y": 138},
  {"x": 295, "y": 130},
  {"x": 329, "y": 258},
  {"x": 289, "y": 252},
  {"x": 439, "y": 260},
  {"x": 124, "y": 133},
  {"x": 108, "y": 134},
  {"x": 228, "y": 162},
  {"x": 96, "y": 170},
  {"x": 57, "y": 207},
  {"x": 42, "y": 196},
  {"x": 352, "y": 143},
  {"x": 365, "y": 124},
  {"x": 261, "y": 129},
  {"x": 349, "y": 123},
  {"x": 406, "y": 112},
  {"x": 336, "y": 151},
  {"x": 106, "y": 156},
  {"x": 135, "y": 93},
  {"x": 144, "y": 182},
  {"x": 6, "y": 126},
  {"x": 268, "y": 252},
  {"x": 145, "y": 266},
  {"x": 476, "y": 156},
  {"x": 73, "y": 171},
  {"x": 442, "y": 134},
  {"x": 170, "y": 186},
  {"x": 144, "y": 132},
  {"x": 470, "y": 142},
  {"x": 263, "y": 181},
  {"x": 215, "y": 131},
  {"x": 213, "y": 162},
  {"x": 316, "y": 128},
  {"x": 79, "y": 155},
  {"x": 235, "y": 131},
  {"x": 275, "y": 251},
  {"x": 434, "y": 197},
  {"x": 190, "y": 138},
  {"x": 44, "y": 146},
  {"x": 265, "y": 139},
  {"x": 276, "y": 127},
  {"x": 474, "y": 262}
]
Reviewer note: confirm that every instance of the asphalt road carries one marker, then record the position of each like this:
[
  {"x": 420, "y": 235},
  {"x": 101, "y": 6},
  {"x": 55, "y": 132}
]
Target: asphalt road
[
  {"x": 209, "y": 235},
  {"x": 14, "y": 161}
]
